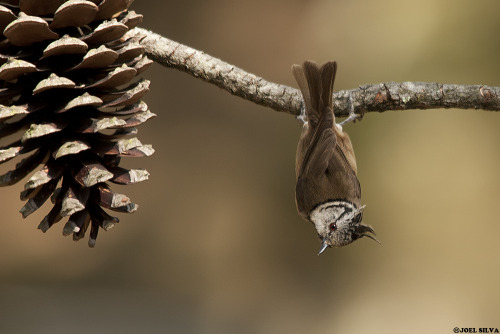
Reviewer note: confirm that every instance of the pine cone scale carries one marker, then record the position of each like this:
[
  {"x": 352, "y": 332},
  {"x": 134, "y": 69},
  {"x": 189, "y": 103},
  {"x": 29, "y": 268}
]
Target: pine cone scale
[{"x": 69, "y": 93}]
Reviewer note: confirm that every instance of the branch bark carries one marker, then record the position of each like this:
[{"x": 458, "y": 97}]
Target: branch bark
[{"x": 368, "y": 98}]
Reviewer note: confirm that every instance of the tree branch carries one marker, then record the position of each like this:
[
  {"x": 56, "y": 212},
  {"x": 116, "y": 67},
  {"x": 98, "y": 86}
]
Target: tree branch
[{"x": 367, "y": 98}]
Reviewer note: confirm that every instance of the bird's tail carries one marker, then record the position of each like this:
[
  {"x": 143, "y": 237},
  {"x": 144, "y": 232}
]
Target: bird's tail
[{"x": 316, "y": 85}]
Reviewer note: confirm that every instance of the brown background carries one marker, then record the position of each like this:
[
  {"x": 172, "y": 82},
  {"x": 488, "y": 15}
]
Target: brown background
[{"x": 217, "y": 245}]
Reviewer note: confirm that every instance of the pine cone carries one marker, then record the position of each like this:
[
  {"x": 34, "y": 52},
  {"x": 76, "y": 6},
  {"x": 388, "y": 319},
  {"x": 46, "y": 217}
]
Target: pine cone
[{"x": 69, "y": 101}]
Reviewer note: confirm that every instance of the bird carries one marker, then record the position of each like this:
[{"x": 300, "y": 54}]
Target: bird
[{"x": 327, "y": 192}]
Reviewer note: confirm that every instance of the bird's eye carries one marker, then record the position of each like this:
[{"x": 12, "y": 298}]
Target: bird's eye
[{"x": 333, "y": 226}]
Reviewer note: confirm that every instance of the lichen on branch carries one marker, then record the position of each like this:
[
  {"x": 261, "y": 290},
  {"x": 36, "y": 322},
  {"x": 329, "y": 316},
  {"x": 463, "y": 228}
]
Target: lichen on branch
[{"x": 367, "y": 98}]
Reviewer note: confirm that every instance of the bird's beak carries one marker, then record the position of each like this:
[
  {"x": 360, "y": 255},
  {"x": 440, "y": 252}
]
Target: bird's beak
[{"x": 324, "y": 246}]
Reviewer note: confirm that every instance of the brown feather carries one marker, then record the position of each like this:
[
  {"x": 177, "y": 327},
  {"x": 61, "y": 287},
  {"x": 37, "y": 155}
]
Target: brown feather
[
  {"x": 328, "y": 72},
  {"x": 325, "y": 161}
]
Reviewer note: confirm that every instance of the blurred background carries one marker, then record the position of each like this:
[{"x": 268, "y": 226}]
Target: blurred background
[{"x": 217, "y": 245}]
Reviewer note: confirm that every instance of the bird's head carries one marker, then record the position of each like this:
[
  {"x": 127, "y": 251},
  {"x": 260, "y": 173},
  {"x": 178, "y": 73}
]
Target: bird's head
[{"x": 338, "y": 223}]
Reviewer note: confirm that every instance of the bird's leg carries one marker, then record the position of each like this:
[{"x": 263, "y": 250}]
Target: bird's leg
[
  {"x": 352, "y": 116},
  {"x": 302, "y": 117}
]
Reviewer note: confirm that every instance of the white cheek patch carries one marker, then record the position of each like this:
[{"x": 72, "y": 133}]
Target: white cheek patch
[{"x": 325, "y": 214}]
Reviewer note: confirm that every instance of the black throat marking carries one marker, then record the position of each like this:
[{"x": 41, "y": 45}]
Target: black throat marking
[{"x": 333, "y": 211}]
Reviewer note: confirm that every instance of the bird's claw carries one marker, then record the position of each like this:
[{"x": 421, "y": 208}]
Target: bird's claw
[{"x": 352, "y": 118}]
